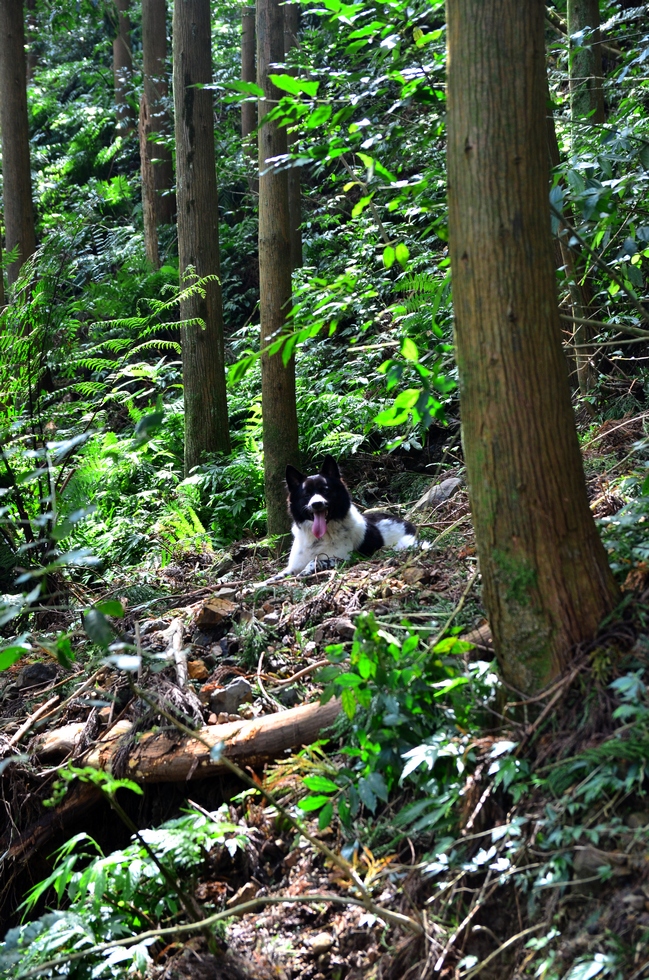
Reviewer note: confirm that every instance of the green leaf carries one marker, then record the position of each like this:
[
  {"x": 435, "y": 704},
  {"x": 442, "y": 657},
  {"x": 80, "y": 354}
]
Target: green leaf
[
  {"x": 320, "y": 784},
  {"x": 366, "y": 794},
  {"x": 10, "y": 655},
  {"x": 360, "y": 206},
  {"x": 344, "y": 812},
  {"x": 247, "y": 88},
  {"x": 310, "y": 803},
  {"x": 348, "y": 702},
  {"x": 146, "y": 427},
  {"x": 402, "y": 253},
  {"x": 111, "y": 607},
  {"x": 325, "y": 816},
  {"x": 319, "y": 117},
  {"x": 409, "y": 350},
  {"x": 97, "y": 628},
  {"x": 389, "y": 256},
  {"x": 295, "y": 86}
]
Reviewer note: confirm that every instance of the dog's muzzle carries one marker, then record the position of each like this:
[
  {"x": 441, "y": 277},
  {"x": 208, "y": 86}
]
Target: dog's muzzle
[{"x": 318, "y": 507}]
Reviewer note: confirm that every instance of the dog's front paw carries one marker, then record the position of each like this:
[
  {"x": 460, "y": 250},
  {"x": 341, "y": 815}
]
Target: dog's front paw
[{"x": 319, "y": 565}]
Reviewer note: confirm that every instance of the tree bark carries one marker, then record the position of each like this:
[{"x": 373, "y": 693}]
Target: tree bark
[
  {"x": 206, "y": 409},
  {"x": 14, "y": 129},
  {"x": 580, "y": 296},
  {"x": 149, "y": 218},
  {"x": 31, "y": 32},
  {"x": 156, "y": 91},
  {"x": 291, "y": 27},
  {"x": 546, "y": 579},
  {"x": 248, "y": 70},
  {"x": 123, "y": 69},
  {"x": 586, "y": 91},
  {"x": 277, "y": 381}
]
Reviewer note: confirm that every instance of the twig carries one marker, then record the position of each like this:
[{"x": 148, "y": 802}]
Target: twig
[
  {"x": 621, "y": 327},
  {"x": 191, "y": 927},
  {"x": 301, "y": 673},
  {"x": 501, "y": 949},
  {"x": 463, "y": 924},
  {"x": 76, "y": 694},
  {"x": 458, "y": 608},
  {"x": 268, "y": 697},
  {"x": 566, "y": 682},
  {"x": 24, "y": 728}
]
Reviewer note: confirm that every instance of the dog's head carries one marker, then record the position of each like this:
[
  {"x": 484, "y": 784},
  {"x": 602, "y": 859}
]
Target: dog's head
[{"x": 320, "y": 498}]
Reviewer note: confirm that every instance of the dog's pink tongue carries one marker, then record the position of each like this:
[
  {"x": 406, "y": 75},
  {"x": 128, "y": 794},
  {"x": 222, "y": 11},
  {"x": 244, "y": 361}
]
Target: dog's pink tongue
[{"x": 319, "y": 525}]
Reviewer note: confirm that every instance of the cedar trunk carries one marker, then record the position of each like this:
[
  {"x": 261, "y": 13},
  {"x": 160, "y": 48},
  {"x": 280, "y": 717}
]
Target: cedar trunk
[
  {"x": 291, "y": 27},
  {"x": 277, "y": 380},
  {"x": 14, "y": 129},
  {"x": 206, "y": 411},
  {"x": 156, "y": 91},
  {"x": 248, "y": 70},
  {"x": 148, "y": 185},
  {"x": 123, "y": 69},
  {"x": 586, "y": 92},
  {"x": 546, "y": 579}
]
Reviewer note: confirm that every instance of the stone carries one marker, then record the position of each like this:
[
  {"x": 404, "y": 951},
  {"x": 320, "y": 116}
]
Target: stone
[
  {"x": 227, "y": 699},
  {"x": 288, "y": 696},
  {"x": 340, "y": 626},
  {"x": 321, "y": 943},
  {"x": 271, "y": 618},
  {"x": 34, "y": 674},
  {"x": 439, "y": 493},
  {"x": 245, "y": 894},
  {"x": 197, "y": 670},
  {"x": 214, "y": 611}
]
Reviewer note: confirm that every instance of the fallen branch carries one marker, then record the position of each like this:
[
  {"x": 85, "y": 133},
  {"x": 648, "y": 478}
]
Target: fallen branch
[
  {"x": 35, "y": 715},
  {"x": 169, "y": 757}
]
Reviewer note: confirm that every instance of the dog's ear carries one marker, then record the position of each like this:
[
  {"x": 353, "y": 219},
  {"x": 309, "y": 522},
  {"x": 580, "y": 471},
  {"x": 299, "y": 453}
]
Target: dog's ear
[
  {"x": 294, "y": 478},
  {"x": 329, "y": 468}
]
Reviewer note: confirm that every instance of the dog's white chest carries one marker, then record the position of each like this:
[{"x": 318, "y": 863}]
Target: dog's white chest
[{"x": 339, "y": 540}]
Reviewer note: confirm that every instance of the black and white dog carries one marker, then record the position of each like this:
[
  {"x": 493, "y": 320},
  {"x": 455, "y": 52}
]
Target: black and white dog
[{"x": 327, "y": 526}]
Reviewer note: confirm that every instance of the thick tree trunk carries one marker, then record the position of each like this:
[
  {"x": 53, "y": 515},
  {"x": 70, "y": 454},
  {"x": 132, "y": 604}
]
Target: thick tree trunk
[
  {"x": 586, "y": 91},
  {"x": 206, "y": 409},
  {"x": 277, "y": 380},
  {"x": 291, "y": 27},
  {"x": 123, "y": 69},
  {"x": 156, "y": 90},
  {"x": 14, "y": 129},
  {"x": 547, "y": 583}
]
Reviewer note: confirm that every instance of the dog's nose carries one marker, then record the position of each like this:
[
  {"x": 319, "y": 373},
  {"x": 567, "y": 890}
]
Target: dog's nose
[{"x": 317, "y": 504}]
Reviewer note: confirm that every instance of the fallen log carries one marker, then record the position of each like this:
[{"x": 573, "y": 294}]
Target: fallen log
[{"x": 169, "y": 757}]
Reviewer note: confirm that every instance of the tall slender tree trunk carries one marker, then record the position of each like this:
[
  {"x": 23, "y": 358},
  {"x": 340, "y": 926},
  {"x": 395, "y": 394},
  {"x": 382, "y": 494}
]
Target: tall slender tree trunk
[
  {"x": 546, "y": 579},
  {"x": 156, "y": 91},
  {"x": 580, "y": 296},
  {"x": 149, "y": 217},
  {"x": 291, "y": 27},
  {"x": 123, "y": 69},
  {"x": 31, "y": 32},
  {"x": 277, "y": 380},
  {"x": 14, "y": 129},
  {"x": 586, "y": 91},
  {"x": 206, "y": 410},
  {"x": 248, "y": 69}
]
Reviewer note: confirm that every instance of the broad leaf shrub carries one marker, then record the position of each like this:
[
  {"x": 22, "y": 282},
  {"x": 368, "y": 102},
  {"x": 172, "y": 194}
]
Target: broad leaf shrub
[
  {"x": 112, "y": 896},
  {"x": 410, "y": 710}
]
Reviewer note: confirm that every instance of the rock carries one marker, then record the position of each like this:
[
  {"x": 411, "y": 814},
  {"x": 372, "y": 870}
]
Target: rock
[
  {"x": 34, "y": 674},
  {"x": 152, "y": 626},
  {"x": 635, "y": 902},
  {"x": 214, "y": 611},
  {"x": 340, "y": 626},
  {"x": 202, "y": 639},
  {"x": 271, "y": 619},
  {"x": 288, "y": 696},
  {"x": 245, "y": 894},
  {"x": 212, "y": 719},
  {"x": 588, "y": 860},
  {"x": 227, "y": 699},
  {"x": 439, "y": 493},
  {"x": 638, "y": 819},
  {"x": 104, "y": 715},
  {"x": 321, "y": 943},
  {"x": 413, "y": 575},
  {"x": 197, "y": 670}
]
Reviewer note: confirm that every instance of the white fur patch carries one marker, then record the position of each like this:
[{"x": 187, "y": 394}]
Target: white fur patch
[{"x": 392, "y": 533}]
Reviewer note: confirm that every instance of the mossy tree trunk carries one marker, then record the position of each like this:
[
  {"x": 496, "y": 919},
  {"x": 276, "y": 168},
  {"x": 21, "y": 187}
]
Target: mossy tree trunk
[
  {"x": 277, "y": 380},
  {"x": 546, "y": 579},
  {"x": 206, "y": 410},
  {"x": 586, "y": 91},
  {"x": 155, "y": 156},
  {"x": 14, "y": 130}
]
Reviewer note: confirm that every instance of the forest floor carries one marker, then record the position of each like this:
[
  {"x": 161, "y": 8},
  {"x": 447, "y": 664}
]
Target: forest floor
[{"x": 233, "y": 648}]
